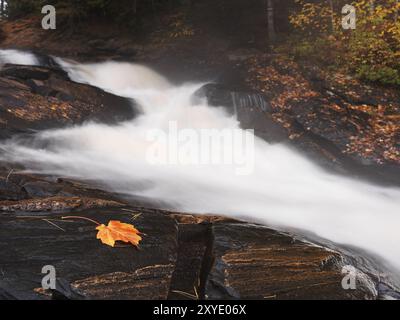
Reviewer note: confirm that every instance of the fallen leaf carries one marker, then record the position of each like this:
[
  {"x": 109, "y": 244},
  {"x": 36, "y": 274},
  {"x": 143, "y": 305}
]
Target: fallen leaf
[{"x": 118, "y": 231}]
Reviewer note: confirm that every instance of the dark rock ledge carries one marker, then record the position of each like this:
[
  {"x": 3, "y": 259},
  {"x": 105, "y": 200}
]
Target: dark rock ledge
[
  {"x": 37, "y": 98},
  {"x": 182, "y": 256}
]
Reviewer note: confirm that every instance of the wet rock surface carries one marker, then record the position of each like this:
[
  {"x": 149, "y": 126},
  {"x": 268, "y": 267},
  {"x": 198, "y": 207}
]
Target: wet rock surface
[
  {"x": 181, "y": 256},
  {"x": 17, "y": 185},
  {"x": 55, "y": 204},
  {"x": 251, "y": 109},
  {"x": 34, "y": 235},
  {"x": 85, "y": 267},
  {"x": 37, "y": 98},
  {"x": 228, "y": 260},
  {"x": 254, "y": 262}
]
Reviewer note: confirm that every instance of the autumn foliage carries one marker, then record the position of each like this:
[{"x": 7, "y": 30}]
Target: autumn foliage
[
  {"x": 118, "y": 231},
  {"x": 113, "y": 232},
  {"x": 371, "y": 51}
]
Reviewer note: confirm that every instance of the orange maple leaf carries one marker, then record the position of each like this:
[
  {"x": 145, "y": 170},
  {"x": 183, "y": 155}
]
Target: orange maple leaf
[{"x": 118, "y": 231}]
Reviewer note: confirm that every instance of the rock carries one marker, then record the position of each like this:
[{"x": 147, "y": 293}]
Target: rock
[
  {"x": 189, "y": 275},
  {"x": 219, "y": 258},
  {"x": 254, "y": 262},
  {"x": 37, "y": 98},
  {"x": 10, "y": 190},
  {"x": 187, "y": 218},
  {"x": 56, "y": 204},
  {"x": 149, "y": 282},
  {"x": 196, "y": 258},
  {"x": 46, "y": 61},
  {"x": 41, "y": 189},
  {"x": 85, "y": 268},
  {"x": 251, "y": 109},
  {"x": 25, "y": 73},
  {"x": 220, "y": 95},
  {"x": 22, "y": 186}
]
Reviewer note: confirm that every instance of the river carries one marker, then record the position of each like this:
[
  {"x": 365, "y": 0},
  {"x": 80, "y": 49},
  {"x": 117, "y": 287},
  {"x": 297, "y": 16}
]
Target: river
[{"x": 271, "y": 184}]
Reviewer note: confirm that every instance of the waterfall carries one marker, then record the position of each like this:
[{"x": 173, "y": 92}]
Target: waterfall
[{"x": 282, "y": 188}]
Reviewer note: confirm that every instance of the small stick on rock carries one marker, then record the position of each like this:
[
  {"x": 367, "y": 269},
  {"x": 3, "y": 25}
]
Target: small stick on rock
[
  {"x": 9, "y": 174},
  {"x": 53, "y": 224}
]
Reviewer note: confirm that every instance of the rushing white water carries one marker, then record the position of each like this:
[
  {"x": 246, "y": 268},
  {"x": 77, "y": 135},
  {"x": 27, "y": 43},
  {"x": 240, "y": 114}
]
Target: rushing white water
[
  {"x": 285, "y": 189},
  {"x": 18, "y": 57}
]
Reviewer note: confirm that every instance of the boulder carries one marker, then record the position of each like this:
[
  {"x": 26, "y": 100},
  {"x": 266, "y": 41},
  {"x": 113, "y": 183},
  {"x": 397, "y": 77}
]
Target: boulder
[
  {"x": 254, "y": 262},
  {"x": 41, "y": 189},
  {"x": 15, "y": 185},
  {"x": 37, "y": 98},
  {"x": 10, "y": 190},
  {"x": 85, "y": 268},
  {"x": 250, "y": 108}
]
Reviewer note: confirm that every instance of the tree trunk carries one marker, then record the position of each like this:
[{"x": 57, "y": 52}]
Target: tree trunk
[
  {"x": 271, "y": 20},
  {"x": 332, "y": 16}
]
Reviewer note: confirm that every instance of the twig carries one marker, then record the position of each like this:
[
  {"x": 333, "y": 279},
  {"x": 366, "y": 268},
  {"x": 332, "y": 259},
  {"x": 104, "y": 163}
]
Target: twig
[
  {"x": 82, "y": 218},
  {"x": 185, "y": 294},
  {"x": 135, "y": 216},
  {"x": 196, "y": 293},
  {"x": 42, "y": 218},
  {"x": 9, "y": 174},
  {"x": 53, "y": 224}
]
